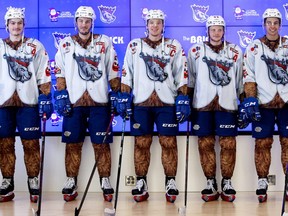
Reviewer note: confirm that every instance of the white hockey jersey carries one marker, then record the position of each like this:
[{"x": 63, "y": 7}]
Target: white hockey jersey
[
  {"x": 87, "y": 69},
  {"x": 212, "y": 74},
  {"x": 146, "y": 70},
  {"x": 23, "y": 70},
  {"x": 268, "y": 69}
]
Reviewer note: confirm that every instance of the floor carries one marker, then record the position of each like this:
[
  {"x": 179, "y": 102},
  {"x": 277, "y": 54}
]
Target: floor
[{"x": 246, "y": 204}]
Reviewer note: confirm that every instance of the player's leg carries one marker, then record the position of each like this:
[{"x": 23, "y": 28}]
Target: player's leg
[
  {"x": 99, "y": 119},
  {"x": 203, "y": 127},
  {"x": 141, "y": 125},
  {"x": 141, "y": 163},
  {"x": 76, "y": 124},
  {"x": 226, "y": 129},
  {"x": 227, "y": 161},
  {"x": 7, "y": 165},
  {"x": 282, "y": 119},
  {"x": 262, "y": 152},
  {"x": 167, "y": 128},
  {"x": 7, "y": 152}
]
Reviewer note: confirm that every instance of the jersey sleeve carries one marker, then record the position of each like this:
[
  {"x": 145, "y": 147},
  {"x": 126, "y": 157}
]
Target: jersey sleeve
[
  {"x": 238, "y": 58},
  {"x": 60, "y": 60},
  {"x": 111, "y": 61},
  {"x": 249, "y": 64},
  {"x": 191, "y": 62},
  {"x": 41, "y": 64},
  {"x": 127, "y": 69},
  {"x": 179, "y": 66}
]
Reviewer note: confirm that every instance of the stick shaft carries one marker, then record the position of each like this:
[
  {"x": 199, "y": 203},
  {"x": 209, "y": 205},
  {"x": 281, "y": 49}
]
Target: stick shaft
[
  {"x": 285, "y": 187},
  {"x": 187, "y": 162},
  {"x": 77, "y": 211},
  {"x": 38, "y": 212},
  {"x": 119, "y": 163}
]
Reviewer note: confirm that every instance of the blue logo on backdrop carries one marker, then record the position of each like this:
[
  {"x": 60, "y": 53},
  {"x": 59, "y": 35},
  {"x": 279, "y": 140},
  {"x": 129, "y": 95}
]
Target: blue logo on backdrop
[
  {"x": 245, "y": 37},
  {"x": 199, "y": 13},
  {"x": 107, "y": 14},
  {"x": 53, "y": 14},
  {"x": 239, "y": 13},
  {"x": 285, "y": 6},
  {"x": 58, "y": 37}
]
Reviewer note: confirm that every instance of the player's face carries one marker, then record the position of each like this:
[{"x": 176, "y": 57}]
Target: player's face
[
  {"x": 15, "y": 26},
  {"x": 84, "y": 25},
  {"x": 216, "y": 34},
  {"x": 272, "y": 26},
  {"x": 155, "y": 27}
]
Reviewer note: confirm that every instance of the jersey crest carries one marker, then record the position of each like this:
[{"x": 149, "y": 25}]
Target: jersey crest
[
  {"x": 155, "y": 67},
  {"x": 218, "y": 71},
  {"x": 277, "y": 70},
  {"x": 88, "y": 67},
  {"x": 18, "y": 67}
]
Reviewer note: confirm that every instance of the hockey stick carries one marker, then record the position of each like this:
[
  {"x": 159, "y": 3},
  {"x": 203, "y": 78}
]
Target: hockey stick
[
  {"x": 182, "y": 210},
  {"x": 77, "y": 210},
  {"x": 284, "y": 195},
  {"x": 112, "y": 212},
  {"x": 38, "y": 212}
]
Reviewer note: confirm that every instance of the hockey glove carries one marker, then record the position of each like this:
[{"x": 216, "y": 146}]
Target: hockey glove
[
  {"x": 183, "y": 109},
  {"x": 45, "y": 105},
  {"x": 113, "y": 100},
  {"x": 243, "y": 120},
  {"x": 124, "y": 105},
  {"x": 251, "y": 107},
  {"x": 62, "y": 103}
]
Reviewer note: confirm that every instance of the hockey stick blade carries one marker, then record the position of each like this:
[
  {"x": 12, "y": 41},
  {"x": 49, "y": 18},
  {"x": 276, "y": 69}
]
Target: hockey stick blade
[
  {"x": 34, "y": 212},
  {"x": 109, "y": 212},
  {"x": 182, "y": 211}
]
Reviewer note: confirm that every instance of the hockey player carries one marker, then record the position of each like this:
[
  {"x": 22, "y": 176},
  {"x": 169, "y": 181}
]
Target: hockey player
[
  {"x": 25, "y": 82},
  {"x": 215, "y": 83},
  {"x": 87, "y": 67},
  {"x": 266, "y": 95},
  {"x": 155, "y": 70}
]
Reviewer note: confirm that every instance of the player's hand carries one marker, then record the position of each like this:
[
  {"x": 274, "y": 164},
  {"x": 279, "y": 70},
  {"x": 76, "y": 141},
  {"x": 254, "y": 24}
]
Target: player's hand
[
  {"x": 251, "y": 107},
  {"x": 243, "y": 120},
  {"x": 113, "y": 100},
  {"x": 62, "y": 103},
  {"x": 183, "y": 109},
  {"x": 124, "y": 104},
  {"x": 45, "y": 105}
]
